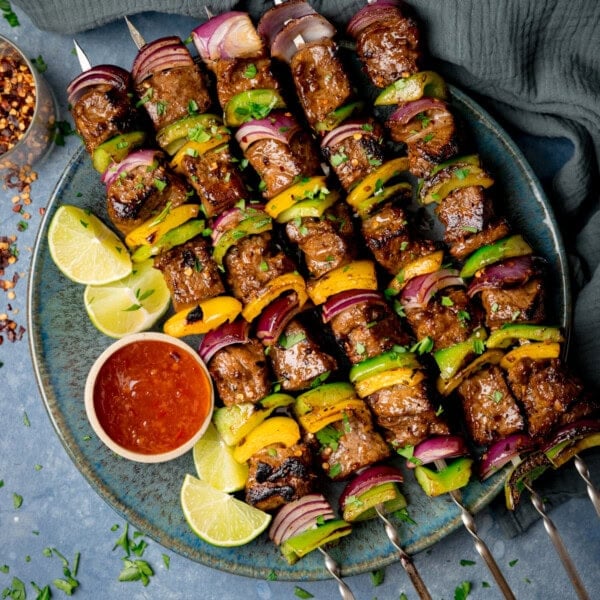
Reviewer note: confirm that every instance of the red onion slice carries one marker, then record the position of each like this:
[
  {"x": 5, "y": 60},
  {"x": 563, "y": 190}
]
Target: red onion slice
[
  {"x": 368, "y": 478},
  {"x": 160, "y": 55},
  {"x": 224, "y": 222},
  {"x": 223, "y": 336},
  {"x": 110, "y": 75},
  {"x": 275, "y": 18},
  {"x": 343, "y": 300},
  {"x": 131, "y": 161},
  {"x": 572, "y": 431},
  {"x": 437, "y": 448},
  {"x": 419, "y": 290},
  {"x": 373, "y": 12},
  {"x": 502, "y": 452},
  {"x": 275, "y": 317},
  {"x": 278, "y": 126},
  {"x": 510, "y": 272},
  {"x": 306, "y": 29},
  {"x": 298, "y": 516},
  {"x": 346, "y": 130},
  {"x": 408, "y": 111}
]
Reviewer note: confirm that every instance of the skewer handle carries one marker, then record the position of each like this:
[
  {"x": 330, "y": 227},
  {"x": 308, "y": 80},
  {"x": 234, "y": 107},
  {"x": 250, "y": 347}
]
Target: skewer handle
[
  {"x": 481, "y": 547},
  {"x": 585, "y": 475},
  {"x": 334, "y": 569},
  {"x": 563, "y": 554},
  {"x": 405, "y": 559}
]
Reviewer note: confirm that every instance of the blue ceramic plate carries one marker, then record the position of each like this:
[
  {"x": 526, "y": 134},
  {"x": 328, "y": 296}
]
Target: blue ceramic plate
[{"x": 65, "y": 344}]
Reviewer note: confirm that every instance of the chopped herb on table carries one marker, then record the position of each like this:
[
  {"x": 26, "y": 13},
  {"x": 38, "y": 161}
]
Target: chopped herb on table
[
  {"x": 301, "y": 593},
  {"x": 377, "y": 577},
  {"x": 462, "y": 591},
  {"x": 9, "y": 14}
]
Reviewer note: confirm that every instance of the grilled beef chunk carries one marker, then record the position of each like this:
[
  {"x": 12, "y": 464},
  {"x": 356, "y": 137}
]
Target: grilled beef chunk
[
  {"x": 215, "y": 178},
  {"x": 326, "y": 243},
  {"x": 548, "y": 393},
  {"x": 389, "y": 49},
  {"x": 321, "y": 80},
  {"x": 252, "y": 263},
  {"x": 464, "y": 212},
  {"x": 143, "y": 192},
  {"x": 366, "y": 330},
  {"x": 405, "y": 414},
  {"x": 350, "y": 444},
  {"x": 237, "y": 75},
  {"x": 297, "y": 359},
  {"x": 241, "y": 373},
  {"x": 523, "y": 304},
  {"x": 169, "y": 95},
  {"x": 388, "y": 236},
  {"x": 279, "y": 476},
  {"x": 102, "y": 113},
  {"x": 354, "y": 157},
  {"x": 447, "y": 319},
  {"x": 190, "y": 273},
  {"x": 495, "y": 231},
  {"x": 490, "y": 410},
  {"x": 279, "y": 165}
]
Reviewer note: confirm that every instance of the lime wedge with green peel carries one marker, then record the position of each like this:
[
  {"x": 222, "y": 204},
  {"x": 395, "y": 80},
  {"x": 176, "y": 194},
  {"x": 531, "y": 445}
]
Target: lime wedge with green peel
[
  {"x": 129, "y": 305},
  {"x": 217, "y": 517},
  {"x": 215, "y": 464},
  {"x": 85, "y": 249}
]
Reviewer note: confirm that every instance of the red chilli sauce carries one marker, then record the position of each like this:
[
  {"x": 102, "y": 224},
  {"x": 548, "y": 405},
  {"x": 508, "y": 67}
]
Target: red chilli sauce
[{"x": 151, "y": 397}]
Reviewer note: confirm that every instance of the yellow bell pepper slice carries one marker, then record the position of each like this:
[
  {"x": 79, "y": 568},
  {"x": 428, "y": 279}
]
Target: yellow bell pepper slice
[
  {"x": 402, "y": 375},
  {"x": 366, "y": 206},
  {"x": 307, "y": 188},
  {"x": 461, "y": 178},
  {"x": 288, "y": 282},
  {"x": 373, "y": 184},
  {"x": 316, "y": 420},
  {"x": 275, "y": 430},
  {"x": 430, "y": 263},
  {"x": 153, "y": 229},
  {"x": 194, "y": 148},
  {"x": 358, "y": 275},
  {"x": 489, "y": 357},
  {"x": 204, "y": 317},
  {"x": 536, "y": 351}
]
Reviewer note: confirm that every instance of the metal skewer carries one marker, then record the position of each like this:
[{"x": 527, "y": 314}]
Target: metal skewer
[{"x": 584, "y": 473}]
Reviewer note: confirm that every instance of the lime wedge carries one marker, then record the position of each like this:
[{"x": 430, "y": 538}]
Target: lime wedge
[
  {"x": 215, "y": 464},
  {"x": 85, "y": 249},
  {"x": 129, "y": 305},
  {"x": 217, "y": 517}
]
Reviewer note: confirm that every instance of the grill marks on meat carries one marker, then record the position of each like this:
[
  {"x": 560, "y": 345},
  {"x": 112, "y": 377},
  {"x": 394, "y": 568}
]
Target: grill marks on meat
[
  {"x": 445, "y": 322},
  {"x": 102, "y": 113},
  {"x": 325, "y": 243},
  {"x": 168, "y": 95},
  {"x": 297, "y": 360},
  {"x": 215, "y": 178},
  {"x": 489, "y": 407},
  {"x": 241, "y": 373},
  {"x": 366, "y": 330},
  {"x": 495, "y": 231},
  {"x": 237, "y": 75},
  {"x": 190, "y": 273},
  {"x": 405, "y": 414},
  {"x": 389, "y": 49},
  {"x": 143, "y": 192},
  {"x": 252, "y": 263},
  {"x": 350, "y": 444},
  {"x": 321, "y": 81},
  {"x": 279, "y": 165},
  {"x": 278, "y": 476},
  {"x": 388, "y": 236}
]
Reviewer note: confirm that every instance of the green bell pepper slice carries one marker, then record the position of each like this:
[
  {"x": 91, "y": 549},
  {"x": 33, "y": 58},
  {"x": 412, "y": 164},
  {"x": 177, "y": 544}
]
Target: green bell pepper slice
[
  {"x": 116, "y": 149},
  {"x": 276, "y": 400},
  {"x": 408, "y": 89},
  {"x": 565, "y": 451},
  {"x": 338, "y": 116},
  {"x": 525, "y": 473},
  {"x": 461, "y": 177},
  {"x": 300, "y": 545},
  {"x": 312, "y": 207},
  {"x": 362, "y": 507},
  {"x": 248, "y": 226},
  {"x": 385, "y": 361},
  {"x": 195, "y": 127},
  {"x": 505, "y": 336},
  {"x": 467, "y": 159},
  {"x": 508, "y": 247},
  {"x": 450, "y": 360},
  {"x": 252, "y": 105},
  {"x": 453, "y": 477},
  {"x": 174, "y": 237},
  {"x": 324, "y": 395}
]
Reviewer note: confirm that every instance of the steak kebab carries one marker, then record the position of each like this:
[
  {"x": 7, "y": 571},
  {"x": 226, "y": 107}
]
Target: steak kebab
[{"x": 143, "y": 199}]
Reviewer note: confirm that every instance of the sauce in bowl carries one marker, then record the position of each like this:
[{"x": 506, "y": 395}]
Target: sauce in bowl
[{"x": 149, "y": 398}]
